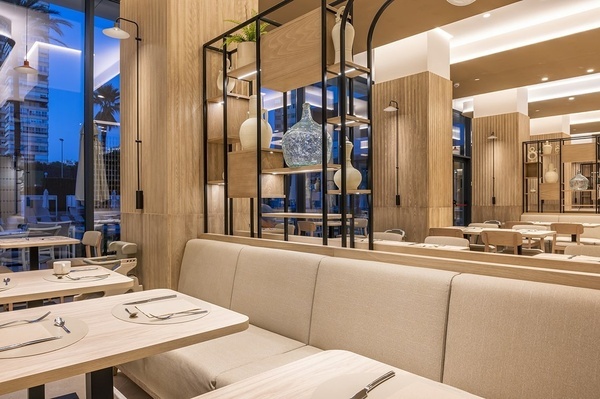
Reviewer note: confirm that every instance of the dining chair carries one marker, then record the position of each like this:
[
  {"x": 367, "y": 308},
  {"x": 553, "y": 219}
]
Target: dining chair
[
  {"x": 446, "y": 232},
  {"x": 566, "y": 234},
  {"x": 384, "y": 235},
  {"x": 589, "y": 250},
  {"x": 360, "y": 227},
  {"x": 444, "y": 240},
  {"x": 502, "y": 238},
  {"x": 511, "y": 223},
  {"x": 305, "y": 226}
]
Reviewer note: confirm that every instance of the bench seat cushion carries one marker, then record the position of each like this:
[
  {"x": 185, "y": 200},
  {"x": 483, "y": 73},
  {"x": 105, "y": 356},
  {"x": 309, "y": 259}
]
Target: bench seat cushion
[
  {"x": 193, "y": 370},
  {"x": 515, "y": 339},
  {"x": 265, "y": 364},
  {"x": 391, "y": 313}
]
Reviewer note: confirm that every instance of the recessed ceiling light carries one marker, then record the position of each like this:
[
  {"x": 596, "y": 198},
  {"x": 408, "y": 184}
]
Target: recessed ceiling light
[
  {"x": 571, "y": 98},
  {"x": 545, "y": 79},
  {"x": 487, "y": 15},
  {"x": 460, "y": 3},
  {"x": 477, "y": 79},
  {"x": 590, "y": 70},
  {"x": 537, "y": 110}
]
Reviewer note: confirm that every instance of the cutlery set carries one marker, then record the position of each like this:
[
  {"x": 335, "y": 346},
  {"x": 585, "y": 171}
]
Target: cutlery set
[
  {"x": 363, "y": 393},
  {"x": 58, "y": 322}
]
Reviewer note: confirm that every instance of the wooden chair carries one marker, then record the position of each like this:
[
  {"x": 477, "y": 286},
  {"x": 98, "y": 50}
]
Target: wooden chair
[
  {"x": 446, "y": 232},
  {"x": 511, "y": 223},
  {"x": 305, "y": 226},
  {"x": 92, "y": 239},
  {"x": 378, "y": 235},
  {"x": 442, "y": 240},
  {"x": 571, "y": 235},
  {"x": 360, "y": 226},
  {"x": 502, "y": 238}
]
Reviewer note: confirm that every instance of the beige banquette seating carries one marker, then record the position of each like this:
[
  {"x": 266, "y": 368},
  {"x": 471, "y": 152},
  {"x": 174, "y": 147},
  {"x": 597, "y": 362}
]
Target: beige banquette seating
[{"x": 493, "y": 337}]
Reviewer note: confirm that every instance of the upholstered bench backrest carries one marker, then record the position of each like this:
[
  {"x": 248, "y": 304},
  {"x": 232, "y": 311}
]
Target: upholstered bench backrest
[
  {"x": 521, "y": 339},
  {"x": 391, "y": 313},
  {"x": 275, "y": 288},
  {"x": 208, "y": 269}
]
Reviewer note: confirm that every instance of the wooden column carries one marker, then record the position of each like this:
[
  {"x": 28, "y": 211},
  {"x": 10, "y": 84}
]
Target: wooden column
[
  {"x": 424, "y": 151},
  {"x": 172, "y": 32},
  {"x": 511, "y": 131}
]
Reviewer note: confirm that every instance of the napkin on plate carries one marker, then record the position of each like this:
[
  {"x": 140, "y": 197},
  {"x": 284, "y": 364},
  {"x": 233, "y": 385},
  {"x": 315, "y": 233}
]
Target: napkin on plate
[
  {"x": 22, "y": 333},
  {"x": 162, "y": 308}
]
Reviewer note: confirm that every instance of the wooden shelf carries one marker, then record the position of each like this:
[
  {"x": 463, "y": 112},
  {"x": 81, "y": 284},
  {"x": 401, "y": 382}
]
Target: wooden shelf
[
  {"x": 246, "y": 72},
  {"x": 219, "y": 140},
  {"x": 353, "y": 70},
  {"x": 351, "y": 120},
  {"x": 580, "y": 191},
  {"x": 219, "y": 99},
  {"x": 337, "y": 192},
  {"x": 216, "y": 182},
  {"x": 301, "y": 169}
]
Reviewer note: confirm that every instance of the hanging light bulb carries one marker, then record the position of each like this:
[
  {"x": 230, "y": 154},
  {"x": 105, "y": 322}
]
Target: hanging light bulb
[{"x": 26, "y": 68}]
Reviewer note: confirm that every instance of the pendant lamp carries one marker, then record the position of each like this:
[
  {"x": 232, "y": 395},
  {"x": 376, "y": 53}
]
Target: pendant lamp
[{"x": 26, "y": 68}]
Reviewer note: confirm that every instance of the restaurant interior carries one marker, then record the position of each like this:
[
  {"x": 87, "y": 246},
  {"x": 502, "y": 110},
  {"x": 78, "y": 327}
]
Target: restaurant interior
[{"x": 420, "y": 218}]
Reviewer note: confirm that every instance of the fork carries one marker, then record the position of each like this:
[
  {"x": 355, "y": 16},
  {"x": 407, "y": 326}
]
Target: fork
[
  {"x": 42, "y": 317},
  {"x": 185, "y": 312},
  {"x": 83, "y": 277}
]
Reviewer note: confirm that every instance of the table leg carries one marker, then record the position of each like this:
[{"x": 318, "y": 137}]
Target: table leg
[
  {"x": 99, "y": 384},
  {"x": 34, "y": 258},
  {"x": 38, "y": 392}
]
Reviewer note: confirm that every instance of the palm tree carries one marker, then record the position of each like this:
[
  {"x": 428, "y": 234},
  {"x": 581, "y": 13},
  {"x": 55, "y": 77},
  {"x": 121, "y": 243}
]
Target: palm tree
[
  {"x": 108, "y": 98},
  {"x": 43, "y": 22}
]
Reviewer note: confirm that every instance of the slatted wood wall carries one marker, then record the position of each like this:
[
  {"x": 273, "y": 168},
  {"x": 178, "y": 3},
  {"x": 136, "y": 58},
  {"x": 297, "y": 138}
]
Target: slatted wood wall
[
  {"x": 173, "y": 32},
  {"x": 512, "y": 130},
  {"x": 425, "y": 154}
]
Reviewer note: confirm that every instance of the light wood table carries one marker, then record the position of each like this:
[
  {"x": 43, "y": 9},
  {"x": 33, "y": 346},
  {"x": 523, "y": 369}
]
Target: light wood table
[
  {"x": 334, "y": 374},
  {"x": 382, "y": 245},
  {"x": 33, "y": 286},
  {"x": 34, "y": 244},
  {"x": 110, "y": 341},
  {"x": 531, "y": 234}
]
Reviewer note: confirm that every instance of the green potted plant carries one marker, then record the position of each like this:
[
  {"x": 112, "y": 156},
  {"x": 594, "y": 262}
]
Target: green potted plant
[{"x": 246, "y": 41}]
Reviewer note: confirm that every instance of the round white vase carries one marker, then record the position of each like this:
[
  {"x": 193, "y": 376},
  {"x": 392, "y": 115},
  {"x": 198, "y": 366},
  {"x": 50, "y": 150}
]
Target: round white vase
[
  {"x": 551, "y": 175},
  {"x": 353, "y": 176},
  {"x": 230, "y": 82},
  {"x": 248, "y": 129},
  {"x": 246, "y": 53},
  {"x": 349, "y": 37}
]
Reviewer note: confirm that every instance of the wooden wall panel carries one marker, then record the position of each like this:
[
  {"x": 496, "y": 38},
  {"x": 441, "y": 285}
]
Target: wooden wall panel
[
  {"x": 424, "y": 150},
  {"x": 511, "y": 130},
  {"x": 170, "y": 126}
]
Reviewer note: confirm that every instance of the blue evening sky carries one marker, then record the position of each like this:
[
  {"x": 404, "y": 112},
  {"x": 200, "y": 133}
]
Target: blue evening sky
[{"x": 65, "y": 105}]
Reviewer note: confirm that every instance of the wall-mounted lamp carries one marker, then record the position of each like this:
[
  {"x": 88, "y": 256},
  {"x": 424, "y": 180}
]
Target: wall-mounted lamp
[
  {"x": 26, "y": 68},
  {"x": 117, "y": 33},
  {"x": 393, "y": 107},
  {"x": 493, "y": 139}
]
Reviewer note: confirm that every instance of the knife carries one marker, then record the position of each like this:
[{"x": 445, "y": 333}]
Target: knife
[
  {"x": 20, "y": 345},
  {"x": 159, "y": 298},
  {"x": 363, "y": 393}
]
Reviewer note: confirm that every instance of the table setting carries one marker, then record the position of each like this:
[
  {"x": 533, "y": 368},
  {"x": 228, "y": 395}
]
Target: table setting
[
  {"x": 64, "y": 273},
  {"x": 37, "y": 335},
  {"x": 167, "y": 309}
]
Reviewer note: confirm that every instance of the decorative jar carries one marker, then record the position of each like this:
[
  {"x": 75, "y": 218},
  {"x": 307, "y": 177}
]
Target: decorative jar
[
  {"x": 547, "y": 148},
  {"x": 349, "y": 37},
  {"x": 551, "y": 175},
  {"x": 579, "y": 182},
  {"x": 249, "y": 129},
  {"x": 353, "y": 176},
  {"x": 302, "y": 144},
  {"x": 230, "y": 82}
]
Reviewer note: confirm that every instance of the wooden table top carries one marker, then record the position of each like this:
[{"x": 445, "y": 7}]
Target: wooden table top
[
  {"x": 331, "y": 374},
  {"x": 31, "y": 285},
  {"x": 110, "y": 341},
  {"x": 304, "y": 215},
  {"x": 28, "y": 242}
]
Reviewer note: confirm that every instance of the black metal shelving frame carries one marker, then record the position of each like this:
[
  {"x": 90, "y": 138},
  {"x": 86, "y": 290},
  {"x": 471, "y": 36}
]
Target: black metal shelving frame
[{"x": 346, "y": 91}]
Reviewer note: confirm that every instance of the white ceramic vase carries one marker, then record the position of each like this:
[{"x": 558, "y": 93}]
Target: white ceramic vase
[
  {"x": 551, "y": 175},
  {"x": 230, "y": 82},
  {"x": 246, "y": 53},
  {"x": 353, "y": 176},
  {"x": 547, "y": 148},
  {"x": 248, "y": 129},
  {"x": 349, "y": 37}
]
